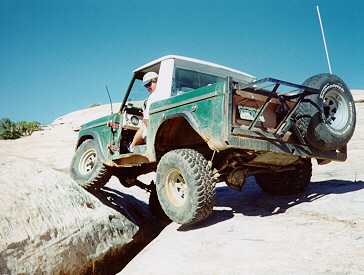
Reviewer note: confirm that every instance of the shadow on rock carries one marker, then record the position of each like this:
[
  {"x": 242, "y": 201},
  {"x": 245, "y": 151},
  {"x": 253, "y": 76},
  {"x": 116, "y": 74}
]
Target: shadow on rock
[
  {"x": 252, "y": 201},
  {"x": 139, "y": 214},
  {"x": 133, "y": 209}
]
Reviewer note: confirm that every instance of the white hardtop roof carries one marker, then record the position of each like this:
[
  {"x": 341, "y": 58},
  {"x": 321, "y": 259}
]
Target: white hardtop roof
[{"x": 199, "y": 65}]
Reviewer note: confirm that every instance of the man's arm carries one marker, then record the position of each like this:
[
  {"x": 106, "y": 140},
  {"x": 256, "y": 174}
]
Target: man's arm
[{"x": 138, "y": 138}]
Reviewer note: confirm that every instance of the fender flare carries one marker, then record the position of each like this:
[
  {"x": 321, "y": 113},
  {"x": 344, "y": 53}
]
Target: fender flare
[
  {"x": 95, "y": 136},
  {"x": 187, "y": 115}
]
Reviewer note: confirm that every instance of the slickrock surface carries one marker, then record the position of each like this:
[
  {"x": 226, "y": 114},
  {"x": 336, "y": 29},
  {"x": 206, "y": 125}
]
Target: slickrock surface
[{"x": 50, "y": 225}]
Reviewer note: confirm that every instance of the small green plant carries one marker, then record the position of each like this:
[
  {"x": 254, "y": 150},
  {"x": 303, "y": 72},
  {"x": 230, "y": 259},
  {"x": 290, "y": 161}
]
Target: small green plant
[
  {"x": 8, "y": 129},
  {"x": 28, "y": 128},
  {"x": 94, "y": 105}
]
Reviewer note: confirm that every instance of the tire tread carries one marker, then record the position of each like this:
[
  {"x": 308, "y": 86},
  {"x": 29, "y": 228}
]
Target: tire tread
[{"x": 203, "y": 186}]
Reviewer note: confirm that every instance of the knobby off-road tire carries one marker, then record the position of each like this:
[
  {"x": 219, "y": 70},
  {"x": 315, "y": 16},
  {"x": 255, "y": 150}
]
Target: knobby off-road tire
[
  {"x": 87, "y": 169},
  {"x": 185, "y": 186},
  {"x": 327, "y": 120},
  {"x": 288, "y": 182}
]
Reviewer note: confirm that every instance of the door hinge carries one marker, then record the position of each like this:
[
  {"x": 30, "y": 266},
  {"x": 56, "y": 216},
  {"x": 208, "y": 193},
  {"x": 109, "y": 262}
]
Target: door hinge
[
  {"x": 112, "y": 147},
  {"x": 113, "y": 125}
]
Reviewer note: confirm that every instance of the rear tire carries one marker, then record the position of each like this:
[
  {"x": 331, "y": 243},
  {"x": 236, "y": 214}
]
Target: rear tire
[
  {"x": 288, "y": 182},
  {"x": 327, "y": 120},
  {"x": 87, "y": 169},
  {"x": 185, "y": 186}
]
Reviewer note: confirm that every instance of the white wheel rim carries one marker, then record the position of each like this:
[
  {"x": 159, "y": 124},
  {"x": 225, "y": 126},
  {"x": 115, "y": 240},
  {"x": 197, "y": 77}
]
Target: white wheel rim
[
  {"x": 336, "y": 110},
  {"x": 176, "y": 188},
  {"x": 87, "y": 161}
]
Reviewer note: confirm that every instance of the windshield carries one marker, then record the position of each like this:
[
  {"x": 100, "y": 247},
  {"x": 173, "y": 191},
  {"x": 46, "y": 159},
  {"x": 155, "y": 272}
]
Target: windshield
[{"x": 138, "y": 91}]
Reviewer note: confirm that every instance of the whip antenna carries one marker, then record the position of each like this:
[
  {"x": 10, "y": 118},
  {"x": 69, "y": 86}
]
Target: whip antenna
[
  {"x": 323, "y": 37},
  {"x": 107, "y": 90}
]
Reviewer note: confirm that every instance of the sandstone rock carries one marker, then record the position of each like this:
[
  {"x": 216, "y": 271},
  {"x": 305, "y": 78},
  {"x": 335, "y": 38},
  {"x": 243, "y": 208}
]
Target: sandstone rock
[
  {"x": 78, "y": 118},
  {"x": 50, "y": 225},
  {"x": 358, "y": 95},
  {"x": 53, "y": 147}
]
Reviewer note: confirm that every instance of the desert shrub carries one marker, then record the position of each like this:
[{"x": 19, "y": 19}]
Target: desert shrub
[
  {"x": 11, "y": 130},
  {"x": 94, "y": 105},
  {"x": 28, "y": 128},
  {"x": 8, "y": 129}
]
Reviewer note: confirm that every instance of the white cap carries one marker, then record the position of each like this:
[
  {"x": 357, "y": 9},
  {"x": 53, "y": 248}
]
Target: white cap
[{"x": 148, "y": 77}]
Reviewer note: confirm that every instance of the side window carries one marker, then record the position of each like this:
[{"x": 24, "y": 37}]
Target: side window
[{"x": 188, "y": 80}]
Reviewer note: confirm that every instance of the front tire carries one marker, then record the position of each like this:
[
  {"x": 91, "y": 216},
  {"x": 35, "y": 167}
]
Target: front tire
[
  {"x": 288, "y": 182},
  {"x": 87, "y": 169},
  {"x": 185, "y": 186}
]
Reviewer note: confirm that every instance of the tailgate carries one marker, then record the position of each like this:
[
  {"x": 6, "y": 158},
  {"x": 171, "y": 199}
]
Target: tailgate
[{"x": 261, "y": 117}]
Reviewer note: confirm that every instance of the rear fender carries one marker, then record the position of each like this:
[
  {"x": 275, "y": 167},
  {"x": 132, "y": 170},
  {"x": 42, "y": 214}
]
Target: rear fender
[
  {"x": 189, "y": 117},
  {"x": 176, "y": 130}
]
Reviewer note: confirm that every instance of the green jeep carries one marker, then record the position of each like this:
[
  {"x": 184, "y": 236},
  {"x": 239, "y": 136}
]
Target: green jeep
[{"x": 217, "y": 124}]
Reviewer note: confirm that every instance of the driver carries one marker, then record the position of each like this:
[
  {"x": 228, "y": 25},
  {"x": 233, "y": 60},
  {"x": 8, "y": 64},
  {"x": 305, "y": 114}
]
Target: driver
[{"x": 150, "y": 82}]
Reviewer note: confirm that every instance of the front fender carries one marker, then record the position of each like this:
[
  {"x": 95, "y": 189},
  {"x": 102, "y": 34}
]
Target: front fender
[{"x": 96, "y": 137}]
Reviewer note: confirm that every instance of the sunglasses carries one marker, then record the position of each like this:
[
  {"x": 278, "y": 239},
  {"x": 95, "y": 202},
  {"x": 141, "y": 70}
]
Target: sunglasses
[{"x": 148, "y": 84}]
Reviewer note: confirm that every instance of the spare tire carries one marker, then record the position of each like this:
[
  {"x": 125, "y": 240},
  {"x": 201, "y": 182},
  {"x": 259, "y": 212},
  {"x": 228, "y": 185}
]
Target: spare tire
[{"x": 327, "y": 120}]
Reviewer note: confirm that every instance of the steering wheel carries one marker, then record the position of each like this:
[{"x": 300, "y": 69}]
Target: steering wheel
[{"x": 144, "y": 106}]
